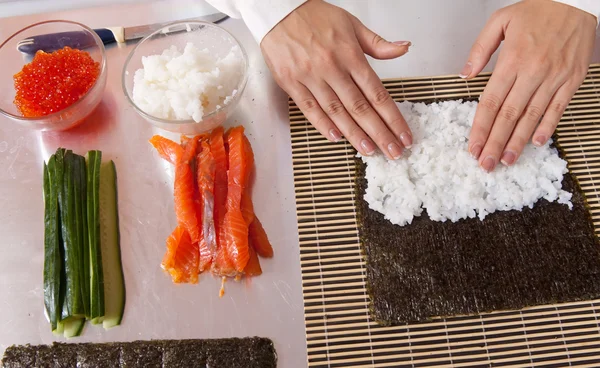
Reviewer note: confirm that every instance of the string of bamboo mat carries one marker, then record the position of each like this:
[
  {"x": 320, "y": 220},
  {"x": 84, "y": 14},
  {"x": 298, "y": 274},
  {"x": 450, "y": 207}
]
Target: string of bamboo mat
[{"x": 339, "y": 329}]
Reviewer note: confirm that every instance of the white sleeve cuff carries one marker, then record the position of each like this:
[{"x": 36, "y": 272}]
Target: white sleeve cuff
[
  {"x": 260, "y": 16},
  {"x": 590, "y": 6}
]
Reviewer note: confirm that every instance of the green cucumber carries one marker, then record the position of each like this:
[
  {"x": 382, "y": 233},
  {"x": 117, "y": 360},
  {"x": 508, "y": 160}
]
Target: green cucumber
[
  {"x": 60, "y": 329},
  {"x": 114, "y": 282},
  {"x": 67, "y": 203},
  {"x": 59, "y": 169},
  {"x": 94, "y": 159},
  {"x": 73, "y": 327},
  {"x": 80, "y": 195},
  {"x": 52, "y": 256}
]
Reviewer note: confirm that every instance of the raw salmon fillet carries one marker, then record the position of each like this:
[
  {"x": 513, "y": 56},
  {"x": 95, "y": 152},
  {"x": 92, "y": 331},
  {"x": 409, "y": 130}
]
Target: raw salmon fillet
[
  {"x": 206, "y": 179},
  {"x": 234, "y": 225},
  {"x": 167, "y": 149},
  {"x": 184, "y": 181},
  {"x": 185, "y": 207},
  {"x": 259, "y": 240},
  {"x": 181, "y": 259},
  {"x": 221, "y": 265},
  {"x": 217, "y": 227},
  {"x": 253, "y": 267}
]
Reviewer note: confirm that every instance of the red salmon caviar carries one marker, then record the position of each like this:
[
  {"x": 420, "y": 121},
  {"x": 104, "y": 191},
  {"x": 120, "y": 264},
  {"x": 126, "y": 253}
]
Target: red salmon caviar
[{"x": 54, "y": 81}]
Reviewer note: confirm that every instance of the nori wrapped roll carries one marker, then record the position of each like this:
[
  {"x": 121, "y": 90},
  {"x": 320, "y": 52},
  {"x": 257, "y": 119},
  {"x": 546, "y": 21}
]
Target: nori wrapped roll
[{"x": 509, "y": 261}]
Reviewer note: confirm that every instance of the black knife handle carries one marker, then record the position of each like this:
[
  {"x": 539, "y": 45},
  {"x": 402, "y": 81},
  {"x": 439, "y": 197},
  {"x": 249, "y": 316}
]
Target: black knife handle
[{"x": 56, "y": 41}]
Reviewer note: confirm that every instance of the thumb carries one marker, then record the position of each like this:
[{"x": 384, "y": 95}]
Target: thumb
[
  {"x": 484, "y": 47},
  {"x": 374, "y": 45}
]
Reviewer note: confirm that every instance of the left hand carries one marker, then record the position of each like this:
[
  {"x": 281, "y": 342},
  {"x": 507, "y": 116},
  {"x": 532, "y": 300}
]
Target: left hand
[{"x": 546, "y": 54}]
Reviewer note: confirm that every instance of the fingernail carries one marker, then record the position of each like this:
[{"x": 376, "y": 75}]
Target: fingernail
[
  {"x": 466, "y": 70},
  {"x": 406, "y": 139},
  {"x": 476, "y": 151},
  {"x": 540, "y": 140},
  {"x": 335, "y": 135},
  {"x": 402, "y": 43},
  {"x": 508, "y": 158},
  {"x": 367, "y": 147},
  {"x": 395, "y": 150},
  {"x": 488, "y": 164}
]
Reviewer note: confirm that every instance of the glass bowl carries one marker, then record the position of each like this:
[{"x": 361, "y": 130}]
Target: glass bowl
[
  {"x": 202, "y": 35},
  {"x": 12, "y": 61}
]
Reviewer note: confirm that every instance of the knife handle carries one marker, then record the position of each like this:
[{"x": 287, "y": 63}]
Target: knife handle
[{"x": 56, "y": 41}]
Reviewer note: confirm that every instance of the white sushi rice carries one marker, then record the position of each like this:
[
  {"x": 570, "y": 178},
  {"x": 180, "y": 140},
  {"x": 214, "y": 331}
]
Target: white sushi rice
[
  {"x": 187, "y": 85},
  {"x": 439, "y": 175}
]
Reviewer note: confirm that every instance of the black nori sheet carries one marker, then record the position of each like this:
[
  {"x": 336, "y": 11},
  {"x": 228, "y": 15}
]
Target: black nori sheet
[
  {"x": 511, "y": 260},
  {"x": 55, "y": 356},
  {"x": 252, "y": 352},
  {"x": 98, "y": 356},
  {"x": 20, "y": 356},
  {"x": 147, "y": 354}
]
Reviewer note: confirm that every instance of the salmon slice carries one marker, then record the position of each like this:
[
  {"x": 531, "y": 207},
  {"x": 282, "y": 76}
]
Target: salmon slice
[
  {"x": 257, "y": 236},
  {"x": 259, "y": 240},
  {"x": 221, "y": 264},
  {"x": 253, "y": 266},
  {"x": 190, "y": 146},
  {"x": 181, "y": 258},
  {"x": 234, "y": 224},
  {"x": 247, "y": 207},
  {"x": 185, "y": 208},
  {"x": 206, "y": 179},
  {"x": 217, "y": 149},
  {"x": 167, "y": 149}
]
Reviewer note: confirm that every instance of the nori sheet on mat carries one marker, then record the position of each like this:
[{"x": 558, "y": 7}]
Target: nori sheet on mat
[
  {"x": 511, "y": 260},
  {"x": 226, "y": 353}
]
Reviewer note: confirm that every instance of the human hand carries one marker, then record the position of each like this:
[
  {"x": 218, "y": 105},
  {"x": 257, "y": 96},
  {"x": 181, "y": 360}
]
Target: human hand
[
  {"x": 546, "y": 54},
  {"x": 317, "y": 55}
]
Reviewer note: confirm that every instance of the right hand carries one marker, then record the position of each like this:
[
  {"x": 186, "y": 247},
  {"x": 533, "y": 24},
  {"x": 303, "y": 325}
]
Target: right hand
[{"x": 317, "y": 55}]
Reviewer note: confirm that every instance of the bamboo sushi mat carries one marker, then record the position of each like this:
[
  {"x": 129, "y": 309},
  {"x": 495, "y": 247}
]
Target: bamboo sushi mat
[{"x": 339, "y": 329}]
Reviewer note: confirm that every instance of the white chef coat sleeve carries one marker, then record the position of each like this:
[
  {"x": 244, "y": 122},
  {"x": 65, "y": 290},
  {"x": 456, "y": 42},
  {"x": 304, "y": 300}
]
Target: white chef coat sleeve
[
  {"x": 260, "y": 16},
  {"x": 590, "y": 6}
]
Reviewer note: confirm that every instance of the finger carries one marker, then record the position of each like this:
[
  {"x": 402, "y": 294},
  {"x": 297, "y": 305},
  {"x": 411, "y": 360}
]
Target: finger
[
  {"x": 489, "y": 104},
  {"x": 554, "y": 112},
  {"x": 313, "y": 111},
  {"x": 363, "y": 113},
  {"x": 504, "y": 124},
  {"x": 527, "y": 124},
  {"x": 379, "y": 98},
  {"x": 484, "y": 47},
  {"x": 374, "y": 45},
  {"x": 335, "y": 110}
]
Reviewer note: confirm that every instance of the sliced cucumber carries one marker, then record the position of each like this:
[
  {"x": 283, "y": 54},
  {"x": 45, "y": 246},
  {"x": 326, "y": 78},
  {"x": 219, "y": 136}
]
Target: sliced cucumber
[
  {"x": 52, "y": 257},
  {"x": 73, "y": 327},
  {"x": 80, "y": 195},
  {"x": 60, "y": 329},
  {"x": 68, "y": 205},
  {"x": 59, "y": 171},
  {"x": 94, "y": 159},
  {"x": 114, "y": 283}
]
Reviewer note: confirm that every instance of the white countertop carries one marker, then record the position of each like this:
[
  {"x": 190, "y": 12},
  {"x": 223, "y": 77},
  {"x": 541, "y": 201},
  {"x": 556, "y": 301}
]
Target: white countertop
[{"x": 442, "y": 33}]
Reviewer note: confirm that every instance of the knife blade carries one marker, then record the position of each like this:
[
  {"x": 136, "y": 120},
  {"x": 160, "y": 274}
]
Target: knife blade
[{"x": 82, "y": 40}]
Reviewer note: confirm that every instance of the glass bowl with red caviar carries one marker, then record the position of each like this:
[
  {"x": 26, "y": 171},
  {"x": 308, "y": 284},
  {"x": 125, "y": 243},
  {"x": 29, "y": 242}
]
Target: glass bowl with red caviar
[{"x": 59, "y": 86}]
